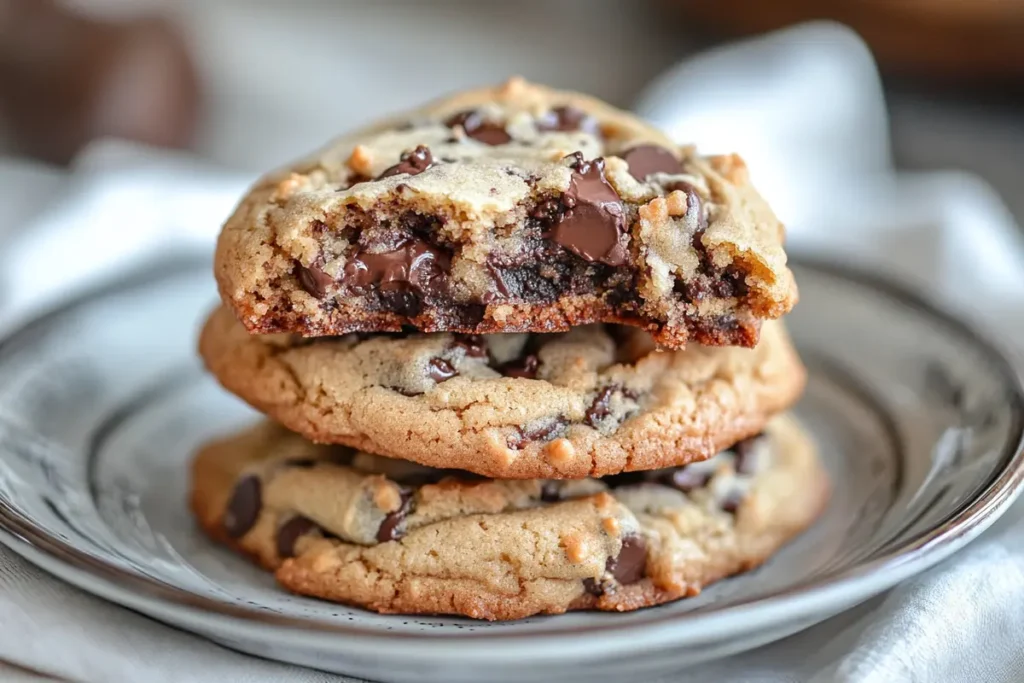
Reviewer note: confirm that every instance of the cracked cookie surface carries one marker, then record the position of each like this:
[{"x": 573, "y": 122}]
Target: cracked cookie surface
[
  {"x": 510, "y": 209},
  {"x": 593, "y": 401},
  {"x": 395, "y": 537}
]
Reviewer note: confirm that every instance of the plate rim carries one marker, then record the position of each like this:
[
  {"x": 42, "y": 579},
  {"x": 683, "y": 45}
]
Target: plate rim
[{"x": 800, "y": 601}]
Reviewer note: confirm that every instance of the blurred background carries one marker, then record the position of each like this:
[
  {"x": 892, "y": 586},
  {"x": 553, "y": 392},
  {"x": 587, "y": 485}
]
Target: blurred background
[{"x": 248, "y": 84}]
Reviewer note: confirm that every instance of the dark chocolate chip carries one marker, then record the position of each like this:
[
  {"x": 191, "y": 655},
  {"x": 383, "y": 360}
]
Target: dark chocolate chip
[
  {"x": 567, "y": 120},
  {"x": 540, "y": 432},
  {"x": 695, "y": 290},
  {"x": 244, "y": 507},
  {"x": 593, "y": 587},
  {"x": 646, "y": 160},
  {"x": 548, "y": 211},
  {"x": 694, "y": 213},
  {"x": 440, "y": 370},
  {"x": 600, "y": 407},
  {"x": 733, "y": 283},
  {"x": 593, "y": 227},
  {"x": 313, "y": 280},
  {"x": 525, "y": 367},
  {"x": 630, "y": 564},
  {"x": 686, "y": 479},
  {"x": 474, "y": 345},
  {"x": 500, "y": 290},
  {"x": 628, "y": 567},
  {"x": 290, "y": 532},
  {"x": 551, "y": 491},
  {"x": 412, "y": 163},
  {"x": 415, "y": 264},
  {"x": 479, "y": 128},
  {"x": 748, "y": 454},
  {"x": 388, "y": 530}
]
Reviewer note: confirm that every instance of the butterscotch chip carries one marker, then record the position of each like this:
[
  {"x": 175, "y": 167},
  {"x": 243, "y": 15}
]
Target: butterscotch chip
[
  {"x": 502, "y": 549},
  {"x": 575, "y": 548},
  {"x": 361, "y": 160},
  {"x": 588, "y": 402},
  {"x": 560, "y": 452},
  {"x": 676, "y": 203},
  {"x": 611, "y": 525},
  {"x": 510, "y": 209}
]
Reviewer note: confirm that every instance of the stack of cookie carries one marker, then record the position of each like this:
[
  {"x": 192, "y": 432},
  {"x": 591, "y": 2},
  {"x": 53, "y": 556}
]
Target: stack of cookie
[{"x": 521, "y": 356}]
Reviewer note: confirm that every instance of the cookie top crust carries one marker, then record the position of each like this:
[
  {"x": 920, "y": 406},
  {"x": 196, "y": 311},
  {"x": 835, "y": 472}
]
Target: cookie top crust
[
  {"x": 592, "y": 401},
  {"x": 509, "y": 209},
  {"x": 397, "y": 537}
]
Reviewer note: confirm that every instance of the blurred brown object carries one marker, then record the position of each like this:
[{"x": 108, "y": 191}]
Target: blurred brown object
[
  {"x": 66, "y": 79},
  {"x": 960, "y": 41}
]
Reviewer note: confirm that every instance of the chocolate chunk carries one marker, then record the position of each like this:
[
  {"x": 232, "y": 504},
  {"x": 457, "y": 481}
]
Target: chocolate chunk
[
  {"x": 646, "y": 160},
  {"x": 415, "y": 264},
  {"x": 630, "y": 564},
  {"x": 439, "y": 370},
  {"x": 244, "y": 507},
  {"x": 732, "y": 283},
  {"x": 474, "y": 345},
  {"x": 501, "y": 289},
  {"x": 551, "y": 491},
  {"x": 313, "y": 280},
  {"x": 686, "y": 479},
  {"x": 290, "y": 532},
  {"x": 548, "y": 211},
  {"x": 479, "y": 128},
  {"x": 388, "y": 530},
  {"x": 748, "y": 454},
  {"x": 567, "y": 120},
  {"x": 525, "y": 367},
  {"x": 594, "y": 225},
  {"x": 540, "y": 432},
  {"x": 412, "y": 163},
  {"x": 694, "y": 214},
  {"x": 600, "y": 408},
  {"x": 695, "y": 290},
  {"x": 543, "y": 431}
]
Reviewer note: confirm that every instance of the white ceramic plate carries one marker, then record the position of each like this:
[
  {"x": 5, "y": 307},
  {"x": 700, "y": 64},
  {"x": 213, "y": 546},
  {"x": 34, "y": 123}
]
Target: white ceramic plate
[{"x": 102, "y": 402}]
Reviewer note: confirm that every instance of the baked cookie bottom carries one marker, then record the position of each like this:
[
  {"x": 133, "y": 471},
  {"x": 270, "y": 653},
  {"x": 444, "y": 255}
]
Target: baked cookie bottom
[
  {"x": 594, "y": 401},
  {"x": 395, "y": 537}
]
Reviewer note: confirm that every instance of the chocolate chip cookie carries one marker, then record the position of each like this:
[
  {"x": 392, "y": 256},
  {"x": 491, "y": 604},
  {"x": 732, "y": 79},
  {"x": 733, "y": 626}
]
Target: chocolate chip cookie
[
  {"x": 597, "y": 400},
  {"x": 395, "y": 537},
  {"x": 509, "y": 209}
]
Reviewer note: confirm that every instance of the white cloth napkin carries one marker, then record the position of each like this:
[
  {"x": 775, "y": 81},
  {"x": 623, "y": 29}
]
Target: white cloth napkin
[{"x": 806, "y": 108}]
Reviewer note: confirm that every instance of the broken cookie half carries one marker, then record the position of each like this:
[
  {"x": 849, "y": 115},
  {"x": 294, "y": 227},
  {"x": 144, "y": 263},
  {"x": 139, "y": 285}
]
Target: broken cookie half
[{"x": 509, "y": 209}]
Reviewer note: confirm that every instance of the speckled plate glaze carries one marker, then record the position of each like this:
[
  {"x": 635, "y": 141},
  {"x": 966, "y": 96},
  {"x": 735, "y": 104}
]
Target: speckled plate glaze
[{"x": 103, "y": 401}]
